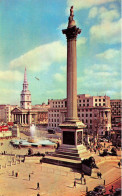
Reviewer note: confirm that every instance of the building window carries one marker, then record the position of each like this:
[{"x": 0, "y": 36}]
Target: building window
[
  {"x": 95, "y": 99},
  {"x": 99, "y": 99},
  {"x": 90, "y": 115},
  {"x": 83, "y": 104},
  {"x": 83, "y": 120},
  {"x": 84, "y": 100},
  {"x": 86, "y": 115},
  {"x": 86, "y": 121},
  {"x": 90, "y": 121},
  {"x": 80, "y": 105},
  {"x": 87, "y": 100},
  {"x": 87, "y": 104},
  {"x": 82, "y": 115},
  {"x": 95, "y": 104},
  {"x": 78, "y": 115},
  {"x": 103, "y": 104},
  {"x": 103, "y": 99},
  {"x": 99, "y": 104}
]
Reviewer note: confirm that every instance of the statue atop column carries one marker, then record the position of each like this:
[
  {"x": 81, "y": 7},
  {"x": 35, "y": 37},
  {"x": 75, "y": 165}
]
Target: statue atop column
[
  {"x": 71, "y": 21},
  {"x": 71, "y": 12}
]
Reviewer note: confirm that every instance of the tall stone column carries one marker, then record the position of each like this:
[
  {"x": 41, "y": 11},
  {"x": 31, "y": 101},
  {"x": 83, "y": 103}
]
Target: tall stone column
[
  {"x": 72, "y": 128},
  {"x": 71, "y": 34}
]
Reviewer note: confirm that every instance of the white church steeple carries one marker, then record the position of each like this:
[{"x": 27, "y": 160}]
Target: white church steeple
[{"x": 25, "y": 97}]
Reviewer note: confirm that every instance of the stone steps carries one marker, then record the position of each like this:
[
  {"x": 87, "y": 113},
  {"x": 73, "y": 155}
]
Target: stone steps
[
  {"x": 67, "y": 153},
  {"x": 67, "y": 156},
  {"x": 62, "y": 162}
]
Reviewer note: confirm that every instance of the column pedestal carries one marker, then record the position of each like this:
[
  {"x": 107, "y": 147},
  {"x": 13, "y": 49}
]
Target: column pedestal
[{"x": 72, "y": 137}]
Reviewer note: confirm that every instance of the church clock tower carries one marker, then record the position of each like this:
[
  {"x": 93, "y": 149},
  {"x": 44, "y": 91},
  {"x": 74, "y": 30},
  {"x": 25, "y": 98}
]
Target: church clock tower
[{"x": 25, "y": 97}]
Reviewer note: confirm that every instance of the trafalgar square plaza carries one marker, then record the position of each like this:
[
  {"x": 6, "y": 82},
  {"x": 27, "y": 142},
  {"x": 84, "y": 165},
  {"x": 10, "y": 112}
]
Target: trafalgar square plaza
[{"x": 36, "y": 159}]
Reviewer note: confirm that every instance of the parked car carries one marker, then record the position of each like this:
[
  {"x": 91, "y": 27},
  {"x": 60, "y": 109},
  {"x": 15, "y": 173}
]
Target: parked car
[
  {"x": 103, "y": 140},
  {"x": 100, "y": 190},
  {"x": 118, "y": 192},
  {"x": 91, "y": 193}
]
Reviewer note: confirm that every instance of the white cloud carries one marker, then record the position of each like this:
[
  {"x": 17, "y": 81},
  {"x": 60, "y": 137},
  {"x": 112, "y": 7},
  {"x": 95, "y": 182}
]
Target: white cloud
[
  {"x": 93, "y": 12},
  {"x": 59, "y": 77},
  {"x": 104, "y": 14},
  {"x": 81, "y": 4},
  {"x": 109, "y": 54},
  {"x": 107, "y": 32},
  {"x": 81, "y": 40},
  {"x": 11, "y": 76},
  {"x": 40, "y": 58},
  {"x": 108, "y": 15}
]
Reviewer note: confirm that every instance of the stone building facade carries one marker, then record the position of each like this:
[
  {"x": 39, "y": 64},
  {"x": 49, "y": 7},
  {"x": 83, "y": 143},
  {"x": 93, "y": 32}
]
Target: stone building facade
[
  {"x": 5, "y": 113},
  {"x": 93, "y": 111},
  {"x": 116, "y": 109},
  {"x": 27, "y": 114}
]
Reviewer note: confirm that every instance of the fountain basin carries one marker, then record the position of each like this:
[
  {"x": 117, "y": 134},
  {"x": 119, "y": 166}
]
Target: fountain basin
[{"x": 32, "y": 142}]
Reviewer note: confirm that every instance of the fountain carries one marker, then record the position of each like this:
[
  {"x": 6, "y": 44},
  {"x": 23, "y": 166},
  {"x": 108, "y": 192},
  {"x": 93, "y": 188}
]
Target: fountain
[{"x": 33, "y": 140}]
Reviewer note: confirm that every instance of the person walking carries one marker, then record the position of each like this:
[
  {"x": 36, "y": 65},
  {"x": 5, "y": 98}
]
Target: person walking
[
  {"x": 104, "y": 144},
  {"x": 81, "y": 180},
  {"x": 119, "y": 164},
  {"x": 13, "y": 173},
  {"x": 82, "y": 175},
  {"x": 100, "y": 175},
  {"x": 84, "y": 181},
  {"x": 75, "y": 183},
  {"x": 29, "y": 177},
  {"x": 38, "y": 185}
]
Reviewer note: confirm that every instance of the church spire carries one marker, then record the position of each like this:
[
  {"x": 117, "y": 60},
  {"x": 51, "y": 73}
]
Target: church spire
[
  {"x": 25, "y": 83},
  {"x": 25, "y": 97}
]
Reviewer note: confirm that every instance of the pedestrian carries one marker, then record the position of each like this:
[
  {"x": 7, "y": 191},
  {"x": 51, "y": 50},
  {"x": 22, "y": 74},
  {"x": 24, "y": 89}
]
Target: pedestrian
[
  {"x": 81, "y": 180},
  {"x": 100, "y": 175},
  {"x": 104, "y": 182},
  {"x": 84, "y": 181},
  {"x": 29, "y": 177},
  {"x": 119, "y": 164},
  {"x": 13, "y": 173},
  {"x": 82, "y": 175},
  {"x": 75, "y": 183},
  {"x": 112, "y": 188},
  {"x": 16, "y": 174},
  {"x": 38, "y": 185}
]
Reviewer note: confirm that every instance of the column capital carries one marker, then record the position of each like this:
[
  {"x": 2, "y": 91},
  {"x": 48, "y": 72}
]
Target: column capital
[{"x": 71, "y": 32}]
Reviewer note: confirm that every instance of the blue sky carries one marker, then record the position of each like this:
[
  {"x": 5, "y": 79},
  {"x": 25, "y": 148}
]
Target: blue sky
[{"x": 31, "y": 36}]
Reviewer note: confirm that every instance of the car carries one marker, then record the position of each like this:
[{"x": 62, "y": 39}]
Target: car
[
  {"x": 103, "y": 140},
  {"x": 91, "y": 193},
  {"x": 118, "y": 192},
  {"x": 100, "y": 190}
]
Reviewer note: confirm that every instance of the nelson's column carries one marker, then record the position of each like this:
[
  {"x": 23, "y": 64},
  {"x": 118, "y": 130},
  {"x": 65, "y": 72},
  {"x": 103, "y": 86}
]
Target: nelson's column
[
  {"x": 70, "y": 151},
  {"x": 72, "y": 128}
]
